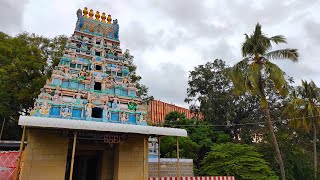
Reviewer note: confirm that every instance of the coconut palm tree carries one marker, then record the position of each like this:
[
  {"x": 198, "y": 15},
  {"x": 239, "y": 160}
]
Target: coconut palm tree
[
  {"x": 252, "y": 74},
  {"x": 305, "y": 112}
]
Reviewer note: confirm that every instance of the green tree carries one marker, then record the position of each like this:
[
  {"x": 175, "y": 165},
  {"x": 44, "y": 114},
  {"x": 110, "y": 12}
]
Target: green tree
[
  {"x": 297, "y": 155},
  {"x": 26, "y": 62},
  {"x": 252, "y": 73},
  {"x": 209, "y": 86},
  {"x": 198, "y": 143},
  {"x": 51, "y": 49},
  {"x": 187, "y": 148},
  {"x": 213, "y": 90},
  {"x": 22, "y": 75},
  {"x": 172, "y": 119},
  {"x": 305, "y": 112},
  {"x": 239, "y": 160}
]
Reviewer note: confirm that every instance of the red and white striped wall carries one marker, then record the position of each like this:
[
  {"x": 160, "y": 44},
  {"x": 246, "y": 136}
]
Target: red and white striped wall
[
  {"x": 195, "y": 178},
  {"x": 158, "y": 110}
]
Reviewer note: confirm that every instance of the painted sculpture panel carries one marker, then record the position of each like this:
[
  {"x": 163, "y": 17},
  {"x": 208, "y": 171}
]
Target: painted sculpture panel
[{"x": 92, "y": 81}]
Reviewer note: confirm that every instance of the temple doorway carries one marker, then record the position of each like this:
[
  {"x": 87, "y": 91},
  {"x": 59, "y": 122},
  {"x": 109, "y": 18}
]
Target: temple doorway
[
  {"x": 91, "y": 162},
  {"x": 85, "y": 167},
  {"x": 96, "y": 155}
]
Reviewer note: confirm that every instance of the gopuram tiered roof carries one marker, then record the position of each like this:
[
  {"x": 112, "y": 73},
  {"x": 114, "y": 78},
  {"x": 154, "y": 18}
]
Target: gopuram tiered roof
[{"x": 91, "y": 84}]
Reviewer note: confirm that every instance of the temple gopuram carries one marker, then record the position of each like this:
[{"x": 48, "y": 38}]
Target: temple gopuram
[{"x": 88, "y": 122}]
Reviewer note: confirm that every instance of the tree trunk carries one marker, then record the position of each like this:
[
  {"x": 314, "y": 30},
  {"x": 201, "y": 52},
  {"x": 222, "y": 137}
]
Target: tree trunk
[
  {"x": 315, "y": 149},
  {"x": 236, "y": 134},
  {"x": 265, "y": 107}
]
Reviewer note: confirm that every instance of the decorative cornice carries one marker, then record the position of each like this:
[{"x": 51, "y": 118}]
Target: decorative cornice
[{"x": 42, "y": 122}]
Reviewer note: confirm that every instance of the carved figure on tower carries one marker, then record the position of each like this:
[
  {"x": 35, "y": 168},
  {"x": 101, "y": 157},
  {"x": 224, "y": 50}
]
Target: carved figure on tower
[
  {"x": 106, "y": 112},
  {"x": 88, "y": 108},
  {"x": 77, "y": 96},
  {"x": 115, "y": 102},
  {"x": 124, "y": 117},
  {"x": 80, "y": 20},
  {"x": 57, "y": 97},
  {"x": 115, "y": 28}
]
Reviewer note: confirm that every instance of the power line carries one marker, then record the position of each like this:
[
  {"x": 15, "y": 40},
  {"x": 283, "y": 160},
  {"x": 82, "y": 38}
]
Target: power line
[{"x": 243, "y": 124}]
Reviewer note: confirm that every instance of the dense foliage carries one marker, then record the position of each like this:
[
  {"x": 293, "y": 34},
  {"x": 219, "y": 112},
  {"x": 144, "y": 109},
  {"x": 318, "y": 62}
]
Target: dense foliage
[
  {"x": 202, "y": 137},
  {"x": 211, "y": 88},
  {"x": 23, "y": 72},
  {"x": 296, "y": 151},
  {"x": 198, "y": 143},
  {"x": 248, "y": 102},
  {"x": 304, "y": 110},
  {"x": 240, "y": 160}
]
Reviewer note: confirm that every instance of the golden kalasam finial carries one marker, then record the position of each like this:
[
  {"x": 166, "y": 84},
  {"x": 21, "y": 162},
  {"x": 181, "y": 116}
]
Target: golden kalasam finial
[
  {"x": 109, "y": 19},
  {"x": 97, "y": 16},
  {"x": 85, "y": 12},
  {"x": 91, "y": 14},
  {"x": 103, "y": 17}
]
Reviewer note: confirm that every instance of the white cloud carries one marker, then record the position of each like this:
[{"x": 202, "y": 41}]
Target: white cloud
[
  {"x": 168, "y": 38},
  {"x": 11, "y": 13}
]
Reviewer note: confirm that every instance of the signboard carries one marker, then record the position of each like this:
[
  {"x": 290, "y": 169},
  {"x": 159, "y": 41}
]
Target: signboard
[{"x": 108, "y": 138}]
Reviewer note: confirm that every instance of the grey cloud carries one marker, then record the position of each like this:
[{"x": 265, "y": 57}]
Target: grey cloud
[
  {"x": 193, "y": 16},
  {"x": 184, "y": 23},
  {"x": 190, "y": 23},
  {"x": 299, "y": 71},
  {"x": 168, "y": 82},
  {"x": 218, "y": 50},
  {"x": 183, "y": 12},
  {"x": 11, "y": 13},
  {"x": 212, "y": 29},
  {"x": 269, "y": 12},
  {"x": 137, "y": 38},
  {"x": 312, "y": 29},
  {"x": 172, "y": 39},
  {"x": 306, "y": 68}
]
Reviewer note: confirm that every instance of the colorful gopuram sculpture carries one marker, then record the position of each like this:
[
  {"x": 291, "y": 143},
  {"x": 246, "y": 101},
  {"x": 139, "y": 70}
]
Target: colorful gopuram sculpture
[{"x": 92, "y": 81}]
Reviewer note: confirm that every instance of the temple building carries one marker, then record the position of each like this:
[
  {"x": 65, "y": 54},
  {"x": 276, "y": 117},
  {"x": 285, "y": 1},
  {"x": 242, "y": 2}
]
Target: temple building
[
  {"x": 88, "y": 122},
  {"x": 157, "y": 110}
]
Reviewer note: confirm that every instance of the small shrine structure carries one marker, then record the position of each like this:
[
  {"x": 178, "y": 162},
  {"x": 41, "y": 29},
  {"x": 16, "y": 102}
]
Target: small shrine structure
[{"x": 87, "y": 122}]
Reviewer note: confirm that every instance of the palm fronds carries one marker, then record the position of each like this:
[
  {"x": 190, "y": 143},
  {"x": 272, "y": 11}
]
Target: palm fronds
[
  {"x": 303, "y": 109},
  {"x": 290, "y": 54},
  {"x": 278, "y": 39},
  {"x": 277, "y": 76}
]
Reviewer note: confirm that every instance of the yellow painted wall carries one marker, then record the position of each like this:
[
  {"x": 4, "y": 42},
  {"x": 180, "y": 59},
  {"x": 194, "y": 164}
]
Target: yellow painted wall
[
  {"x": 131, "y": 159},
  {"x": 107, "y": 165},
  {"x": 46, "y": 155}
]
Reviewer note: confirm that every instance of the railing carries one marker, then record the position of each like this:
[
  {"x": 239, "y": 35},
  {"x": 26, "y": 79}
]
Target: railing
[{"x": 8, "y": 162}]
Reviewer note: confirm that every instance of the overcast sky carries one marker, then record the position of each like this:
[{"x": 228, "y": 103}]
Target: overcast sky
[{"x": 168, "y": 38}]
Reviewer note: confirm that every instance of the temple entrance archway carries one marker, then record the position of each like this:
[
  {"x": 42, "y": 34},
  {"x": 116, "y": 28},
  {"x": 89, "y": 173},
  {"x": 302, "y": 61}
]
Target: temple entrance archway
[
  {"x": 93, "y": 160},
  {"x": 86, "y": 167}
]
